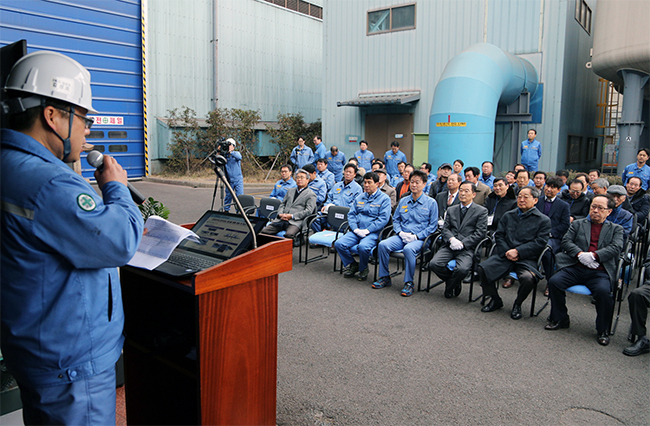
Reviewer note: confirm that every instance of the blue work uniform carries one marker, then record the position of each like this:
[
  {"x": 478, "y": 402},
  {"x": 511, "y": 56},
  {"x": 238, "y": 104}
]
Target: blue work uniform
[
  {"x": 531, "y": 152},
  {"x": 419, "y": 217},
  {"x": 335, "y": 164},
  {"x": 319, "y": 187},
  {"x": 396, "y": 180},
  {"x": 62, "y": 315},
  {"x": 280, "y": 188},
  {"x": 303, "y": 156},
  {"x": 340, "y": 195},
  {"x": 371, "y": 212},
  {"x": 328, "y": 177},
  {"x": 489, "y": 181},
  {"x": 321, "y": 152},
  {"x": 365, "y": 159},
  {"x": 235, "y": 177},
  {"x": 643, "y": 173},
  {"x": 391, "y": 161}
]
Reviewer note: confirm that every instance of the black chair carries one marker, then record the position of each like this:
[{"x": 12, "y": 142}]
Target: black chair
[
  {"x": 337, "y": 217},
  {"x": 247, "y": 202},
  {"x": 268, "y": 207}
]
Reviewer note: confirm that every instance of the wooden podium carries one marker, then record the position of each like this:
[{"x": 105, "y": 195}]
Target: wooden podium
[{"x": 204, "y": 350}]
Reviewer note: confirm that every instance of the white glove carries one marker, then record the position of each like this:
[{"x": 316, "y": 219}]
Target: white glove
[
  {"x": 409, "y": 238},
  {"x": 441, "y": 222},
  {"x": 593, "y": 265},
  {"x": 456, "y": 244},
  {"x": 361, "y": 232},
  {"x": 587, "y": 259},
  {"x": 403, "y": 235},
  {"x": 327, "y": 207}
]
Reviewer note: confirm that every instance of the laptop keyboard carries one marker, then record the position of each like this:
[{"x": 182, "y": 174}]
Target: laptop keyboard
[{"x": 191, "y": 262}]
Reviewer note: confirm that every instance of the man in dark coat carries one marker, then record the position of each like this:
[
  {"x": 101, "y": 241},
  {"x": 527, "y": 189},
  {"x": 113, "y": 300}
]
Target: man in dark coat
[
  {"x": 578, "y": 201},
  {"x": 465, "y": 226},
  {"x": 558, "y": 211},
  {"x": 500, "y": 200},
  {"x": 440, "y": 184},
  {"x": 590, "y": 252},
  {"x": 448, "y": 198},
  {"x": 639, "y": 200},
  {"x": 521, "y": 237}
]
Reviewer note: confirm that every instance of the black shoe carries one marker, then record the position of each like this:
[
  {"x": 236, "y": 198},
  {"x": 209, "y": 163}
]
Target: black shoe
[
  {"x": 452, "y": 292},
  {"x": 363, "y": 275},
  {"x": 642, "y": 346},
  {"x": 556, "y": 325},
  {"x": 495, "y": 304},
  {"x": 603, "y": 338},
  {"x": 351, "y": 270},
  {"x": 516, "y": 312}
]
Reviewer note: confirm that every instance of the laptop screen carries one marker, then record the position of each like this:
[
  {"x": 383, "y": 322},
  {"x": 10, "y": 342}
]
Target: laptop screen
[{"x": 223, "y": 235}]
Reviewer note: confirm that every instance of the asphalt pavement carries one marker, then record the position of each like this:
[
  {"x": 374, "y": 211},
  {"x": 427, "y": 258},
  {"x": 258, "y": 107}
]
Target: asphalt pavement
[{"x": 352, "y": 355}]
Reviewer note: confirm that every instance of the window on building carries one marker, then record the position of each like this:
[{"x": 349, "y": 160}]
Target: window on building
[
  {"x": 583, "y": 15},
  {"x": 573, "y": 149},
  {"x": 300, "y": 6},
  {"x": 592, "y": 149},
  {"x": 396, "y": 18}
]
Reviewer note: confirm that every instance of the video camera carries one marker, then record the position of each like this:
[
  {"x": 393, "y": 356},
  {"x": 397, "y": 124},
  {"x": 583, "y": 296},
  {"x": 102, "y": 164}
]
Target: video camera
[{"x": 223, "y": 146}]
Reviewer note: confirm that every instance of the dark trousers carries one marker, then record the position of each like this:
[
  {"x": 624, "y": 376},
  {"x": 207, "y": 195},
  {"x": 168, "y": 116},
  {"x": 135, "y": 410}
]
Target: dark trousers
[
  {"x": 547, "y": 259},
  {"x": 527, "y": 282},
  {"x": 596, "y": 281},
  {"x": 639, "y": 300},
  {"x": 453, "y": 278},
  {"x": 281, "y": 225}
]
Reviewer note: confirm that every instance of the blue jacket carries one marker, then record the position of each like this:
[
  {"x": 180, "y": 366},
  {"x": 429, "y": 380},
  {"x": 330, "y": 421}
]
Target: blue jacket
[
  {"x": 280, "y": 188},
  {"x": 303, "y": 156},
  {"x": 371, "y": 212},
  {"x": 622, "y": 217},
  {"x": 321, "y": 152},
  {"x": 391, "y": 161},
  {"x": 319, "y": 187},
  {"x": 344, "y": 195},
  {"x": 489, "y": 181},
  {"x": 328, "y": 177},
  {"x": 62, "y": 316},
  {"x": 365, "y": 159},
  {"x": 233, "y": 167},
  {"x": 419, "y": 217},
  {"x": 335, "y": 164},
  {"x": 643, "y": 173},
  {"x": 531, "y": 152}
]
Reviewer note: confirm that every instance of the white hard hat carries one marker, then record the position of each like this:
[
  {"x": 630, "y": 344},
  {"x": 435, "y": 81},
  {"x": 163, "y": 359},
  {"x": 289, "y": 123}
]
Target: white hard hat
[
  {"x": 232, "y": 141},
  {"x": 51, "y": 75}
]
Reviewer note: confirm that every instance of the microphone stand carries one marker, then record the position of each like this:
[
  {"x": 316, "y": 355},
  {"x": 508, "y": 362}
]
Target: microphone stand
[{"x": 218, "y": 162}]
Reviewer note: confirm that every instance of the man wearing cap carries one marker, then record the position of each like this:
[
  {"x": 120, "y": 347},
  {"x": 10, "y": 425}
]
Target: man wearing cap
[
  {"x": 62, "y": 315},
  {"x": 233, "y": 169},
  {"x": 386, "y": 188},
  {"x": 440, "y": 185},
  {"x": 619, "y": 215}
]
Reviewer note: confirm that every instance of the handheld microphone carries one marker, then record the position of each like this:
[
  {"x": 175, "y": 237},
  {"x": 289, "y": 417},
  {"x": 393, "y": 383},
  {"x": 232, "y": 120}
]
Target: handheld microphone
[{"x": 96, "y": 159}]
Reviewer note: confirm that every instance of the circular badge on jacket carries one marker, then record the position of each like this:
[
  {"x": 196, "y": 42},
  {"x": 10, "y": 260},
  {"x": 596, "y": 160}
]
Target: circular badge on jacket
[{"x": 86, "y": 202}]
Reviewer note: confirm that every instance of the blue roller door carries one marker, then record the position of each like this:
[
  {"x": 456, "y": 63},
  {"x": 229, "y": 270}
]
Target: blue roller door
[{"x": 105, "y": 37}]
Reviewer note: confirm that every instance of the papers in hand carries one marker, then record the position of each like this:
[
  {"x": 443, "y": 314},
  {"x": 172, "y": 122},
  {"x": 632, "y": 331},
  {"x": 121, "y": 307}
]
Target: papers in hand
[{"x": 159, "y": 240}]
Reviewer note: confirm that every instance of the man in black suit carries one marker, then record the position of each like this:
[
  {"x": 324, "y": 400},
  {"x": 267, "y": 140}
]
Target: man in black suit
[
  {"x": 590, "y": 252},
  {"x": 440, "y": 184},
  {"x": 639, "y": 200},
  {"x": 448, "y": 198},
  {"x": 577, "y": 200},
  {"x": 558, "y": 211},
  {"x": 465, "y": 226}
]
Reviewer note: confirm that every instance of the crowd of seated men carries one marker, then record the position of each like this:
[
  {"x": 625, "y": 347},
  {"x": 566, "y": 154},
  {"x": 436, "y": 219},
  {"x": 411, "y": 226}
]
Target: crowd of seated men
[{"x": 584, "y": 222}]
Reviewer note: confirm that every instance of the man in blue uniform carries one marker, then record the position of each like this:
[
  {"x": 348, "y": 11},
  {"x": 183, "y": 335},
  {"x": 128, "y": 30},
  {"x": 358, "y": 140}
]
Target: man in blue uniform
[
  {"x": 323, "y": 173},
  {"x": 639, "y": 169},
  {"x": 367, "y": 217},
  {"x": 320, "y": 151},
  {"x": 233, "y": 169},
  {"x": 486, "y": 177},
  {"x": 301, "y": 154},
  {"x": 280, "y": 188},
  {"x": 62, "y": 316},
  {"x": 415, "y": 218},
  {"x": 364, "y": 156},
  {"x": 316, "y": 184},
  {"x": 335, "y": 163},
  {"x": 392, "y": 158},
  {"x": 531, "y": 151},
  {"x": 342, "y": 194}
]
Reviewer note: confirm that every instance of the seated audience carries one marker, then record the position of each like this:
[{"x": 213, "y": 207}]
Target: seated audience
[
  {"x": 316, "y": 184},
  {"x": 358, "y": 178},
  {"x": 342, "y": 194},
  {"x": 486, "y": 177},
  {"x": 280, "y": 188},
  {"x": 564, "y": 175},
  {"x": 521, "y": 237},
  {"x": 639, "y": 200},
  {"x": 498, "y": 202},
  {"x": 426, "y": 168},
  {"x": 465, "y": 226},
  {"x": 584, "y": 177},
  {"x": 482, "y": 190},
  {"x": 558, "y": 212},
  {"x": 369, "y": 214},
  {"x": 299, "y": 203},
  {"x": 386, "y": 188},
  {"x": 590, "y": 253},
  {"x": 522, "y": 167},
  {"x": 539, "y": 180},
  {"x": 577, "y": 200},
  {"x": 619, "y": 215},
  {"x": 522, "y": 180},
  {"x": 599, "y": 186},
  {"x": 394, "y": 180},
  {"x": 415, "y": 218},
  {"x": 403, "y": 187},
  {"x": 440, "y": 184},
  {"x": 511, "y": 178},
  {"x": 323, "y": 173},
  {"x": 448, "y": 198},
  {"x": 458, "y": 168}
]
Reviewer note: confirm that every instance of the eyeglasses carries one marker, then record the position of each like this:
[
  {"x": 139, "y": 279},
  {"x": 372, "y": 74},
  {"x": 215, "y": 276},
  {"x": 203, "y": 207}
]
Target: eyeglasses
[
  {"x": 88, "y": 121},
  {"x": 598, "y": 208}
]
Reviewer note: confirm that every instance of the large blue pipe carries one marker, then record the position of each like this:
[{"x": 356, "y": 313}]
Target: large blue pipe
[{"x": 473, "y": 84}]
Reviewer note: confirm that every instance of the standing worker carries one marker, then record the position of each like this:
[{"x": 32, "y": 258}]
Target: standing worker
[
  {"x": 531, "y": 151},
  {"x": 392, "y": 157},
  {"x": 320, "y": 151},
  {"x": 364, "y": 156},
  {"x": 301, "y": 154},
  {"x": 233, "y": 169},
  {"x": 62, "y": 315},
  {"x": 335, "y": 163}
]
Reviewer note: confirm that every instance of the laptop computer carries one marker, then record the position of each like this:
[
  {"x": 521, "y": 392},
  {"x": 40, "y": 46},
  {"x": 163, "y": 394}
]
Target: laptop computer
[{"x": 223, "y": 236}]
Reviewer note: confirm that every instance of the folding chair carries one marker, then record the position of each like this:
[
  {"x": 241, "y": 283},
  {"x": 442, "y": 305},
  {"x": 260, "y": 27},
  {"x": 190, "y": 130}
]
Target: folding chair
[
  {"x": 337, "y": 217},
  {"x": 268, "y": 207},
  {"x": 247, "y": 203}
]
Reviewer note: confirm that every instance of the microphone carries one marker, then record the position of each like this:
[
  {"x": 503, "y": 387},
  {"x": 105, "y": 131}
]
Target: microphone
[{"x": 96, "y": 159}]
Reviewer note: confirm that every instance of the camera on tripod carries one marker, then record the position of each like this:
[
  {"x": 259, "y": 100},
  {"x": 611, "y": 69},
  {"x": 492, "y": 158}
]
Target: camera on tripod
[{"x": 223, "y": 146}]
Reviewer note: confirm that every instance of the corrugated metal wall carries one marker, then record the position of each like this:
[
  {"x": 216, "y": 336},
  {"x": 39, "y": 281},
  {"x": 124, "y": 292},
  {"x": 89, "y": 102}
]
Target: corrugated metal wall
[
  {"x": 415, "y": 59},
  {"x": 104, "y": 37}
]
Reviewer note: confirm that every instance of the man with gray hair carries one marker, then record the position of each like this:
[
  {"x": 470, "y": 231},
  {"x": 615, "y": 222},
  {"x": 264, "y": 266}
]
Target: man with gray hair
[{"x": 599, "y": 186}]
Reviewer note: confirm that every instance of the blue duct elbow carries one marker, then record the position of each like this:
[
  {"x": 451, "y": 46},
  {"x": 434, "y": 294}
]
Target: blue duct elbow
[{"x": 474, "y": 83}]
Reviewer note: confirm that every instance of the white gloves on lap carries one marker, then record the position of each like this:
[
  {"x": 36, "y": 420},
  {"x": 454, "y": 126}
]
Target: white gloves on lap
[
  {"x": 361, "y": 232},
  {"x": 407, "y": 237},
  {"x": 588, "y": 259},
  {"x": 456, "y": 244}
]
